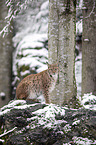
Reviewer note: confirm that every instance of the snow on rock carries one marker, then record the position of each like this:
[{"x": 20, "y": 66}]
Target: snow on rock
[
  {"x": 11, "y": 105},
  {"x": 47, "y": 115},
  {"x": 89, "y": 101},
  {"x": 24, "y": 122},
  {"x": 83, "y": 141}
]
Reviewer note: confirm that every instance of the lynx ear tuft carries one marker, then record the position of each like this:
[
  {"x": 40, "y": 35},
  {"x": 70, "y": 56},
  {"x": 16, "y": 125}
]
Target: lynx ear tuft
[
  {"x": 48, "y": 64},
  {"x": 53, "y": 65}
]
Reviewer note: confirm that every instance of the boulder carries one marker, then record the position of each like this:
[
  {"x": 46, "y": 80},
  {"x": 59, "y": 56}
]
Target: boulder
[{"x": 25, "y": 123}]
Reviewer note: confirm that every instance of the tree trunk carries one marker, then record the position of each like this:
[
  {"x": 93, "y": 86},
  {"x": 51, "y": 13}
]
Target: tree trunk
[
  {"x": 89, "y": 48},
  {"x": 5, "y": 58},
  {"x": 61, "y": 43}
]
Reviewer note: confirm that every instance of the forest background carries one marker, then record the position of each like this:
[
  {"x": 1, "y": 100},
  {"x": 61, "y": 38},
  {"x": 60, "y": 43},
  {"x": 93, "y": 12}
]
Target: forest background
[{"x": 24, "y": 28}]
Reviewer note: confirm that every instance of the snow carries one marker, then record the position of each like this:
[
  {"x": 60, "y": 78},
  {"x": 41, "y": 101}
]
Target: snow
[
  {"x": 34, "y": 52},
  {"x": 67, "y": 128},
  {"x": 79, "y": 27},
  {"x": 89, "y": 101},
  {"x": 25, "y": 73},
  {"x": 17, "y": 104},
  {"x": 30, "y": 41},
  {"x": 76, "y": 122},
  {"x": 5, "y": 133},
  {"x": 87, "y": 40},
  {"x": 13, "y": 103},
  {"x": 46, "y": 116},
  {"x": 2, "y": 94},
  {"x": 81, "y": 4},
  {"x": 32, "y": 62},
  {"x": 44, "y": 6},
  {"x": 78, "y": 74},
  {"x": 83, "y": 141},
  {"x": 1, "y": 140},
  {"x": 4, "y": 112}
]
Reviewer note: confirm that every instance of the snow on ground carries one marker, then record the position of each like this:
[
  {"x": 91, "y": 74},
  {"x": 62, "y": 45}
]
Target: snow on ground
[
  {"x": 49, "y": 112},
  {"x": 46, "y": 116},
  {"x": 17, "y": 104}
]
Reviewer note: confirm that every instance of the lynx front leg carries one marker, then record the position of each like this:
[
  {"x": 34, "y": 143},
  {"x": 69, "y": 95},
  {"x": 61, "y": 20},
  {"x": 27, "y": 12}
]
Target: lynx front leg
[{"x": 46, "y": 96}]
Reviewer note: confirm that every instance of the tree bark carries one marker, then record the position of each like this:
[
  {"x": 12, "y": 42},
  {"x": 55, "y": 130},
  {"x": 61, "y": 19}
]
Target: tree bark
[
  {"x": 5, "y": 58},
  {"x": 61, "y": 43},
  {"x": 89, "y": 48}
]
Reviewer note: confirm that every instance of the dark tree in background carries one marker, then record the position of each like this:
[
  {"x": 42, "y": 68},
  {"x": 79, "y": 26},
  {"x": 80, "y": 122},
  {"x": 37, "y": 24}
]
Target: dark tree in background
[
  {"x": 89, "y": 47},
  {"x": 5, "y": 57}
]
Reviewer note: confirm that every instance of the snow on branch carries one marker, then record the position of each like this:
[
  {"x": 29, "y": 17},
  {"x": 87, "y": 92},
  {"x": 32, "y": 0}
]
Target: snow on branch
[
  {"x": 5, "y": 133},
  {"x": 14, "y": 8}
]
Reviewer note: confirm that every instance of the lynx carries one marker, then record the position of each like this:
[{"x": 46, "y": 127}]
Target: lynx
[{"x": 36, "y": 84}]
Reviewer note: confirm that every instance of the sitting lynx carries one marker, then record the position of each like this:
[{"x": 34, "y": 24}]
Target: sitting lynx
[{"x": 36, "y": 84}]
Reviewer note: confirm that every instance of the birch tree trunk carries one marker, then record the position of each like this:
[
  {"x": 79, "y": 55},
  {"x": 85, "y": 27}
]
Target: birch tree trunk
[
  {"x": 61, "y": 43},
  {"x": 89, "y": 47},
  {"x": 5, "y": 58}
]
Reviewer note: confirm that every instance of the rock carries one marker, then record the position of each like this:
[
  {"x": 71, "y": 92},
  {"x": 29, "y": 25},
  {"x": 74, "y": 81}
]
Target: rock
[{"x": 25, "y": 123}]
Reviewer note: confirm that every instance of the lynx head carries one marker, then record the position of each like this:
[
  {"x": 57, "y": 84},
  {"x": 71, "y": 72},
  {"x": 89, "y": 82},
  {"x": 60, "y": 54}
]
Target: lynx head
[{"x": 53, "y": 68}]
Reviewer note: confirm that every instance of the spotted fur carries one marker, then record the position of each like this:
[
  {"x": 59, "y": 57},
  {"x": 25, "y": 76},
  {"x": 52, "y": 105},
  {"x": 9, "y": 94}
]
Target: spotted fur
[{"x": 36, "y": 84}]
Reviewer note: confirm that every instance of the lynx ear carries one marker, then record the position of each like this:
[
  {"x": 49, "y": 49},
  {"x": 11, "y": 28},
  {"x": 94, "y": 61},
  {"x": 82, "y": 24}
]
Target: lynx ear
[
  {"x": 52, "y": 65},
  {"x": 48, "y": 64}
]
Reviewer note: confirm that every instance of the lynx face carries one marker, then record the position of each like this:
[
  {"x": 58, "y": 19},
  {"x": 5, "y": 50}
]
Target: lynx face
[{"x": 36, "y": 84}]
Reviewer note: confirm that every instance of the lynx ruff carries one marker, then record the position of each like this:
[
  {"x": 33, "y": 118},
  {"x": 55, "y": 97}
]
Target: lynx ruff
[{"x": 34, "y": 85}]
